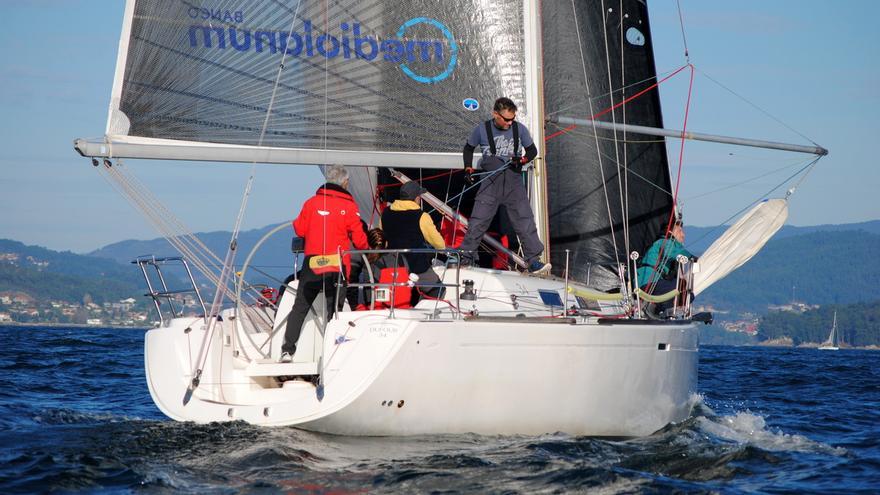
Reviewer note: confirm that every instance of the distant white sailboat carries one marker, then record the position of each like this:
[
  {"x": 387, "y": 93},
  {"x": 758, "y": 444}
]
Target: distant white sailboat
[{"x": 832, "y": 343}]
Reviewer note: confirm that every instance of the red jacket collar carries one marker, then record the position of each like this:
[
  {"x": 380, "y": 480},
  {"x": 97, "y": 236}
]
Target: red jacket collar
[{"x": 333, "y": 190}]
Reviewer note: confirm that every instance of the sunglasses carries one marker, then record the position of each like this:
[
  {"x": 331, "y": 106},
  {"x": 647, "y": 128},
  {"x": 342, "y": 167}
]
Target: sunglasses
[{"x": 505, "y": 118}]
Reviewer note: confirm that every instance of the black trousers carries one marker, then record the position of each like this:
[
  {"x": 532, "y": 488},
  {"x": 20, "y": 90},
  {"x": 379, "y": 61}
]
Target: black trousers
[{"x": 310, "y": 285}]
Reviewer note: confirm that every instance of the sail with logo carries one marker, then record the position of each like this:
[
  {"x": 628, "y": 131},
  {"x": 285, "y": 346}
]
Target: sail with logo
[{"x": 384, "y": 83}]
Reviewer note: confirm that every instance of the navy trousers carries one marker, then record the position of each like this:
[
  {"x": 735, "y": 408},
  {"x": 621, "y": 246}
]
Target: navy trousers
[{"x": 504, "y": 188}]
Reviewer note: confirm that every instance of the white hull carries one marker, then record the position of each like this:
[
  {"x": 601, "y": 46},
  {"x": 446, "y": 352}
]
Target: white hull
[{"x": 407, "y": 375}]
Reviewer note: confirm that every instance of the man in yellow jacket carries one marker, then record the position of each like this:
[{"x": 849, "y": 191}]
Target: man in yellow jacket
[{"x": 406, "y": 226}]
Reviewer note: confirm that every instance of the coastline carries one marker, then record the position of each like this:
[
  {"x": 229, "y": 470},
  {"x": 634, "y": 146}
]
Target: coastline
[{"x": 71, "y": 325}]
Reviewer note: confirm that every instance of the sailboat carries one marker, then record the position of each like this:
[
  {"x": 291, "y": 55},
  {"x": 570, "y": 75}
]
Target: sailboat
[
  {"x": 832, "y": 342},
  {"x": 390, "y": 89}
]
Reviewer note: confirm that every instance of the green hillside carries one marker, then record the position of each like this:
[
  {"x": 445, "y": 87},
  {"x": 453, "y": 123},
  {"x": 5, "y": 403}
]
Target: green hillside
[
  {"x": 816, "y": 268},
  {"x": 46, "y": 286},
  {"x": 857, "y": 324},
  {"x": 64, "y": 276}
]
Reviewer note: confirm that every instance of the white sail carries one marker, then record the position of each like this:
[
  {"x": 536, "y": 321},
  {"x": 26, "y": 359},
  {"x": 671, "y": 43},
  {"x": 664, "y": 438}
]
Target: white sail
[
  {"x": 740, "y": 242},
  {"x": 356, "y": 82},
  {"x": 831, "y": 344}
]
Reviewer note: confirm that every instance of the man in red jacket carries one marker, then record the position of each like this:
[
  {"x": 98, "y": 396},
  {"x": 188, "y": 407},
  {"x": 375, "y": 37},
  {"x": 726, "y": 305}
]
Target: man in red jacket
[{"x": 330, "y": 222}]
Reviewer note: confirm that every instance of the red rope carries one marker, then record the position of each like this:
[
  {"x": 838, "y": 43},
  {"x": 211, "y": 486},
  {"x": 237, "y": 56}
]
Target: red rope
[
  {"x": 669, "y": 223},
  {"x": 624, "y": 102}
]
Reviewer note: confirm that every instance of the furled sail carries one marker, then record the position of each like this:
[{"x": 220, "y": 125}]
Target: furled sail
[
  {"x": 740, "y": 242},
  {"x": 595, "y": 56},
  {"x": 364, "y": 82}
]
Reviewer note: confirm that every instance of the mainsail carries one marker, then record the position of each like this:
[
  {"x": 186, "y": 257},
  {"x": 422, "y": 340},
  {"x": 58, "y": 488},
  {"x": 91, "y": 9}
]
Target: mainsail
[
  {"x": 601, "y": 182},
  {"x": 381, "y": 82}
]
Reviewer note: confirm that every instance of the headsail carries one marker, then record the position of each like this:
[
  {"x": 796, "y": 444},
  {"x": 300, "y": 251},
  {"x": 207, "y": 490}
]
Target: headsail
[
  {"x": 740, "y": 242},
  {"x": 381, "y": 82},
  {"x": 601, "y": 57}
]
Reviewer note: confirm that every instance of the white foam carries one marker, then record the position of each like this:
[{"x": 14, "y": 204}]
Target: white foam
[{"x": 751, "y": 429}]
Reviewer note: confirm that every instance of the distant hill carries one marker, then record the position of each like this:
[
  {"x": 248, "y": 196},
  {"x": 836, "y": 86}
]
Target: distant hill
[
  {"x": 274, "y": 256},
  {"x": 822, "y": 267},
  {"x": 700, "y": 238},
  {"x": 826, "y": 264},
  {"x": 857, "y": 324},
  {"x": 65, "y": 276}
]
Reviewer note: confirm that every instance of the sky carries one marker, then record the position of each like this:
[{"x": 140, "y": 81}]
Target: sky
[{"x": 812, "y": 65}]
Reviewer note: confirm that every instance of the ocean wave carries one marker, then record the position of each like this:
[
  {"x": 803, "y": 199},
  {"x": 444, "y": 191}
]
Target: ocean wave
[{"x": 747, "y": 428}]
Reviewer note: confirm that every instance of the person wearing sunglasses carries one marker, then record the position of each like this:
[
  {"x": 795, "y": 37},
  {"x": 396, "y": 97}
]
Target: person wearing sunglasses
[{"x": 502, "y": 140}]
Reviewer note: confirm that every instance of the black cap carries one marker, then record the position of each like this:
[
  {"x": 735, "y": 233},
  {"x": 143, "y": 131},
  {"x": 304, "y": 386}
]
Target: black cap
[{"x": 411, "y": 190}]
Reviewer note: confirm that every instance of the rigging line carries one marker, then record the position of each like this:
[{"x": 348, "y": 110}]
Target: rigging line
[
  {"x": 230, "y": 252},
  {"x": 616, "y": 142},
  {"x": 687, "y": 108},
  {"x": 672, "y": 215},
  {"x": 687, "y": 56},
  {"x": 162, "y": 212},
  {"x": 421, "y": 180},
  {"x": 142, "y": 204},
  {"x": 752, "y": 179},
  {"x": 809, "y": 166},
  {"x": 590, "y": 102},
  {"x": 608, "y": 94},
  {"x": 802, "y": 179},
  {"x": 603, "y": 112},
  {"x": 475, "y": 184},
  {"x": 118, "y": 183},
  {"x": 756, "y": 107},
  {"x": 625, "y": 190},
  {"x": 323, "y": 170}
]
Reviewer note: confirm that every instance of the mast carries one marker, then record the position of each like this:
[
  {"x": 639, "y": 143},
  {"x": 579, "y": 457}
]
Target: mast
[{"x": 535, "y": 96}]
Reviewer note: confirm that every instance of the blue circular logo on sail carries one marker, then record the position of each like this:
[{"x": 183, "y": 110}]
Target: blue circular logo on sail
[
  {"x": 635, "y": 37},
  {"x": 425, "y": 47},
  {"x": 470, "y": 104}
]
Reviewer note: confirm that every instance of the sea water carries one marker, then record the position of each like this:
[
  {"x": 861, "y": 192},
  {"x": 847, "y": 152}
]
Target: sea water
[{"x": 75, "y": 414}]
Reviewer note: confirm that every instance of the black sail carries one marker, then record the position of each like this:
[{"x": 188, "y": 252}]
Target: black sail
[{"x": 616, "y": 62}]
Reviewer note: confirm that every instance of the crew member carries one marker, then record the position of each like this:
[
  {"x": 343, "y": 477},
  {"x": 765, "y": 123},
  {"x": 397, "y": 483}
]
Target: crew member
[
  {"x": 327, "y": 221},
  {"x": 501, "y": 139},
  {"x": 657, "y": 272},
  {"x": 406, "y": 226}
]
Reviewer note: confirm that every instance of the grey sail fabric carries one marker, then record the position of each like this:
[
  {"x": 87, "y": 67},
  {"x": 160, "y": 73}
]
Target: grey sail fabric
[
  {"x": 359, "y": 75},
  {"x": 579, "y": 215}
]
